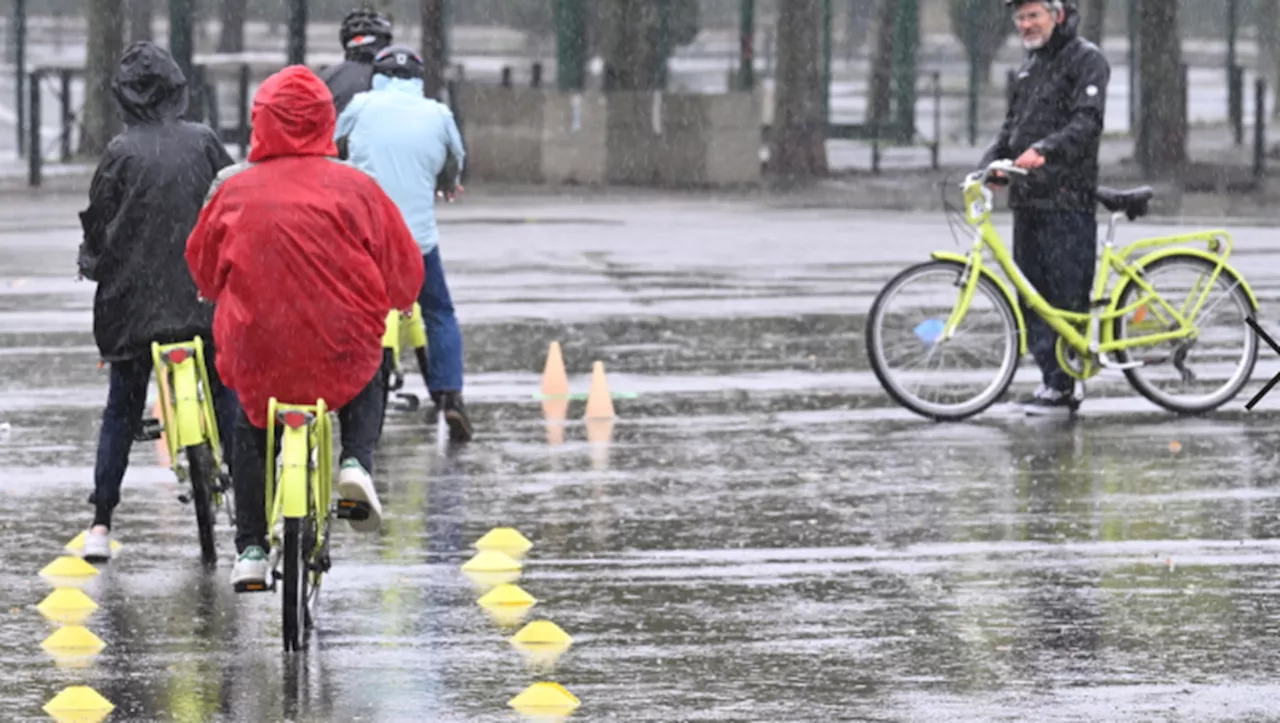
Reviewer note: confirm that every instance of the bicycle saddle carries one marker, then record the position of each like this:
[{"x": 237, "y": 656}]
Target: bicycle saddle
[{"x": 1132, "y": 201}]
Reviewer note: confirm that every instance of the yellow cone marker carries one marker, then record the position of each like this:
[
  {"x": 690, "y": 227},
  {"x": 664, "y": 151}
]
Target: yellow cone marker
[
  {"x": 507, "y": 604},
  {"x": 73, "y": 640},
  {"x": 76, "y": 545},
  {"x": 67, "y": 605},
  {"x": 542, "y": 632},
  {"x": 68, "y": 567},
  {"x": 599, "y": 400},
  {"x": 491, "y": 561},
  {"x": 506, "y": 540},
  {"x": 79, "y": 703},
  {"x": 545, "y": 698}
]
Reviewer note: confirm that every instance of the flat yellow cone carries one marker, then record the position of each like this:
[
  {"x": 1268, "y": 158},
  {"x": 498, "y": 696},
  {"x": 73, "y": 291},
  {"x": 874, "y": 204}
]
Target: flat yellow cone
[
  {"x": 79, "y": 703},
  {"x": 491, "y": 561},
  {"x": 599, "y": 400},
  {"x": 68, "y": 567},
  {"x": 541, "y": 632},
  {"x": 506, "y": 540},
  {"x": 555, "y": 382},
  {"x": 486, "y": 581},
  {"x": 544, "y": 698},
  {"x": 507, "y": 596},
  {"x": 67, "y": 605},
  {"x": 76, "y": 545},
  {"x": 73, "y": 640}
]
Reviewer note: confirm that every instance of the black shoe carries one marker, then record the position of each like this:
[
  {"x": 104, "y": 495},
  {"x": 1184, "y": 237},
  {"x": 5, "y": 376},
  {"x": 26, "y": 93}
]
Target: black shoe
[{"x": 455, "y": 415}]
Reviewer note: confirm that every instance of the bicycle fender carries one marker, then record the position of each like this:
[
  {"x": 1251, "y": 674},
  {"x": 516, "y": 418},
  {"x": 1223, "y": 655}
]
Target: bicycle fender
[
  {"x": 1165, "y": 253},
  {"x": 1000, "y": 284}
]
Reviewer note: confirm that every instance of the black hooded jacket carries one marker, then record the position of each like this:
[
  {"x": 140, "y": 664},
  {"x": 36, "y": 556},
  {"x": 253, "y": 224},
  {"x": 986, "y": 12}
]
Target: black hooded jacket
[
  {"x": 143, "y": 202},
  {"x": 353, "y": 75},
  {"x": 1058, "y": 106}
]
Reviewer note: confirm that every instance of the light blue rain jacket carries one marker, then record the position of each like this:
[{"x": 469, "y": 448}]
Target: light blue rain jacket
[{"x": 402, "y": 139}]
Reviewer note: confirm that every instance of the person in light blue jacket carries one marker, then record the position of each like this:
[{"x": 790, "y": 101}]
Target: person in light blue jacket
[{"x": 405, "y": 140}]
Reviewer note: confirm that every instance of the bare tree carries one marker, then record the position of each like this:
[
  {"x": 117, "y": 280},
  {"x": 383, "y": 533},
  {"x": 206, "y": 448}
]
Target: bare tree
[
  {"x": 880, "y": 93},
  {"x": 141, "y": 13},
  {"x": 105, "y": 46},
  {"x": 232, "y": 16},
  {"x": 1162, "y": 114},
  {"x": 433, "y": 47},
  {"x": 1269, "y": 43},
  {"x": 798, "y": 149},
  {"x": 1095, "y": 20},
  {"x": 982, "y": 27}
]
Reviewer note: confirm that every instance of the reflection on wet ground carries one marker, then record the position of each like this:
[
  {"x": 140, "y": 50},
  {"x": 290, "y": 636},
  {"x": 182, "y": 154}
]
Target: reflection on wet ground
[{"x": 759, "y": 537}]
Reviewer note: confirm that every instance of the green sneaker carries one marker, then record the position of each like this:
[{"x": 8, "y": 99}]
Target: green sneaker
[{"x": 250, "y": 571}]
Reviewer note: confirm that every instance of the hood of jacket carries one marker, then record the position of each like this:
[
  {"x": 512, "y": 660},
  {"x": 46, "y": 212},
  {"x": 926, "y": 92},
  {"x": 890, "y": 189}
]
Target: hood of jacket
[
  {"x": 412, "y": 86},
  {"x": 1065, "y": 31},
  {"x": 149, "y": 85},
  {"x": 293, "y": 115}
]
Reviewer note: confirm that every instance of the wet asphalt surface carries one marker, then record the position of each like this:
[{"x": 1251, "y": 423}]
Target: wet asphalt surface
[{"x": 763, "y": 537}]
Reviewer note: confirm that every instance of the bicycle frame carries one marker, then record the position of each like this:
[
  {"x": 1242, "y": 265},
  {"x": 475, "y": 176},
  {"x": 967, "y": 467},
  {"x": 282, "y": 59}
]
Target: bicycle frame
[
  {"x": 188, "y": 420},
  {"x": 392, "y": 338},
  {"x": 296, "y": 491},
  {"x": 1097, "y": 339}
]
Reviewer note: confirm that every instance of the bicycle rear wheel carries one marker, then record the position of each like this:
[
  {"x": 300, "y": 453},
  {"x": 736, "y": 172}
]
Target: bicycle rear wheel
[
  {"x": 204, "y": 477},
  {"x": 907, "y": 319},
  {"x": 294, "y": 597},
  {"x": 1203, "y": 372}
]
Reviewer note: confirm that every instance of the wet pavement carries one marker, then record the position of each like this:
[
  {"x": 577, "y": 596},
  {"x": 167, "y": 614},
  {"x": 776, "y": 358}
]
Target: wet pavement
[{"x": 761, "y": 537}]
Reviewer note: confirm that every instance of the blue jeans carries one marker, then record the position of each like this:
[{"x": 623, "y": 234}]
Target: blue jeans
[
  {"x": 1057, "y": 252},
  {"x": 444, "y": 338},
  {"x": 122, "y": 418}
]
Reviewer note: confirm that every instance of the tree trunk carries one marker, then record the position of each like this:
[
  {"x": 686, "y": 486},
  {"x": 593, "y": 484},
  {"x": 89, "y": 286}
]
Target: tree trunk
[
  {"x": 231, "y": 35},
  {"x": 1269, "y": 44},
  {"x": 857, "y": 20},
  {"x": 798, "y": 150},
  {"x": 1095, "y": 21},
  {"x": 630, "y": 44},
  {"x": 880, "y": 92},
  {"x": 105, "y": 46},
  {"x": 141, "y": 14},
  {"x": 433, "y": 48},
  {"x": 1162, "y": 115}
]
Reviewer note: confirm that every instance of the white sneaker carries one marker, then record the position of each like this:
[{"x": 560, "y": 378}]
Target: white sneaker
[
  {"x": 97, "y": 546},
  {"x": 250, "y": 569},
  {"x": 354, "y": 483}
]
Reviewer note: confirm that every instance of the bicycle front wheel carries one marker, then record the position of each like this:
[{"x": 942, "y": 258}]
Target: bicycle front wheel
[
  {"x": 944, "y": 380},
  {"x": 204, "y": 477},
  {"x": 1200, "y": 373}
]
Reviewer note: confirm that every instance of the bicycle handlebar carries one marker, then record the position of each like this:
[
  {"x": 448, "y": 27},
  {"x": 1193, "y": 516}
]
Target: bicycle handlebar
[{"x": 1002, "y": 165}]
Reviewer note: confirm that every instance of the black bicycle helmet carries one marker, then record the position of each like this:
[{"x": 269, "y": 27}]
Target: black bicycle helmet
[
  {"x": 398, "y": 61},
  {"x": 364, "y": 27}
]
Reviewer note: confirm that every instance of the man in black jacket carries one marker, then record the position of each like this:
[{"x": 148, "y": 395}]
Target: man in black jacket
[
  {"x": 1054, "y": 128},
  {"x": 363, "y": 33},
  {"x": 144, "y": 200}
]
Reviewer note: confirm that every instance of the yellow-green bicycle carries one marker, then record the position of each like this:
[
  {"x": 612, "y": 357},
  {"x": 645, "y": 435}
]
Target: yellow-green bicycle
[
  {"x": 190, "y": 426},
  {"x": 1187, "y": 347},
  {"x": 400, "y": 325},
  {"x": 300, "y": 510}
]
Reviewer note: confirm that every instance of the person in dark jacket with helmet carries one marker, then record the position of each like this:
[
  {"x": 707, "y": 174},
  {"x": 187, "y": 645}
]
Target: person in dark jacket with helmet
[
  {"x": 363, "y": 33},
  {"x": 1053, "y": 128},
  {"x": 144, "y": 199}
]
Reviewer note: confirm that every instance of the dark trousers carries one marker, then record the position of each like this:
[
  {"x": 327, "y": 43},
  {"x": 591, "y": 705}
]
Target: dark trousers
[
  {"x": 359, "y": 421},
  {"x": 122, "y": 419},
  {"x": 444, "y": 338},
  {"x": 1057, "y": 251}
]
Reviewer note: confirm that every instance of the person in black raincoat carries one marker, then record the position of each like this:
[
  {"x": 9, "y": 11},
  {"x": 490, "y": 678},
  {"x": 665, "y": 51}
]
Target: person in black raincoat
[
  {"x": 144, "y": 199},
  {"x": 363, "y": 33},
  {"x": 1054, "y": 129}
]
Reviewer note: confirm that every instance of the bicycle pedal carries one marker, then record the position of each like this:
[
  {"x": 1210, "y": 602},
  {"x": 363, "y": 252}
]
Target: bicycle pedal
[
  {"x": 354, "y": 510},
  {"x": 253, "y": 587},
  {"x": 149, "y": 430}
]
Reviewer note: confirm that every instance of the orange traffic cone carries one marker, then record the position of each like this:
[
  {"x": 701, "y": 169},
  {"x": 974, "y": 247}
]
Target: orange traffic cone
[{"x": 599, "y": 400}]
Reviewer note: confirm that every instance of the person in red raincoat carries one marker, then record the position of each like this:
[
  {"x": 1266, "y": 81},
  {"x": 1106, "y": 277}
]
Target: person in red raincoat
[{"x": 303, "y": 257}]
